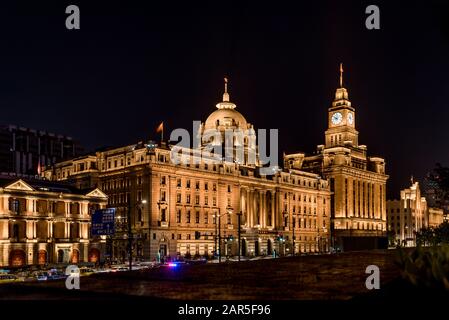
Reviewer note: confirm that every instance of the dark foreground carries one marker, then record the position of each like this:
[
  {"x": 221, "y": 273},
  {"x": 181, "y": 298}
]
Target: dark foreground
[{"x": 340, "y": 276}]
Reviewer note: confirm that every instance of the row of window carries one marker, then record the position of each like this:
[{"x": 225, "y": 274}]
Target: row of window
[
  {"x": 190, "y": 236},
  {"x": 120, "y": 184},
  {"x": 197, "y": 199},
  {"x": 299, "y": 182},
  {"x": 119, "y": 162},
  {"x": 19, "y": 205},
  {"x": 304, "y": 198},
  {"x": 188, "y": 217}
]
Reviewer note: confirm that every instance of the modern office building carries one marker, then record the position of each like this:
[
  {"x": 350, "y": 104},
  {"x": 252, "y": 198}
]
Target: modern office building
[{"x": 25, "y": 151}]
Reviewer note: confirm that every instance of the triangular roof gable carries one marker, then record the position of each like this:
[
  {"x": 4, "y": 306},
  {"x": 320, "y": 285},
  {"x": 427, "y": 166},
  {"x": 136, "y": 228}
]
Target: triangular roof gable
[
  {"x": 97, "y": 193},
  {"x": 19, "y": 185}
]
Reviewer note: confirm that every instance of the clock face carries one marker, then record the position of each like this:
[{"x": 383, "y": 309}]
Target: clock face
[
  {"x": 350, "y": 118},
  {"x": 336, "y": 118}
]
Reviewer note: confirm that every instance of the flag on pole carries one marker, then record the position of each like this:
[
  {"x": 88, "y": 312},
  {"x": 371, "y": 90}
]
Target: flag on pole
[
  {"x": 160, "y": 129},
  {"x": 39, "y": 169}
]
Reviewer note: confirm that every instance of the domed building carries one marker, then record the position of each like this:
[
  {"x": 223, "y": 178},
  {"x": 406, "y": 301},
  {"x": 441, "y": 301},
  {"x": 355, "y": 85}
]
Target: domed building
[
  {"x": 216, "y": 201},
  {"x": 225, "y": 119}
]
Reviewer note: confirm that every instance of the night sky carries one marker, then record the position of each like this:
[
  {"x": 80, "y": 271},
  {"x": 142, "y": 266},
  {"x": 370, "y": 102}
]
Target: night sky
[{"x": 131, "y": 66}]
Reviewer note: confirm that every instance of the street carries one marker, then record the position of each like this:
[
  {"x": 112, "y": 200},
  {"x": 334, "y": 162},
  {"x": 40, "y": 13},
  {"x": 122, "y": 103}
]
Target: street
[{"x": 321, "y": 277}]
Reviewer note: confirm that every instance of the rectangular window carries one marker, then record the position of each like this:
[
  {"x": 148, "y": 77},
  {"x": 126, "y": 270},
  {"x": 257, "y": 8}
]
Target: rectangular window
[
  {"x": 178, "y": 198},
  {"x": 178, "y": 216},
  {"x": 206, "y": 200},
  {"x": 14, "y": 206},
  {"x": 214, "y": 187},
  {"x": 206, "y": 218},
  {"x": 162, "y": 195},
  {"x": 206, "y": 186},
  {"x": 179, "y": 236},
  {"x": 163, "y": 180},
  {"x": 197, "y": 199},
  {"x": 197, "y": 185},
  {"x": 214, "y": 201},
  {"x": 188, "y": 198},
  {"x": 178, "y": 183},
  {"x": 188, "y": 184},
  {"x": 197, "y": 217},
  {"x": 188, "y": 216}
]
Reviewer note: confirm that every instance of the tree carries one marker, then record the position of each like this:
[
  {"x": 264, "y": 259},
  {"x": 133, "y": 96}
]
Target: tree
[{"x": 433, "y": 236}]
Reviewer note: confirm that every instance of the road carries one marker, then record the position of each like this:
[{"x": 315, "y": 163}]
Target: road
[{"x": 340, "y": 276}]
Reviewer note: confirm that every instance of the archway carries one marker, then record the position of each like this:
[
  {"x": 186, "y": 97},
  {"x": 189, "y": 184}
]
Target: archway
[
  {"x": 75, "y": 256},
  {"x": 256, "y": 248},
  {"x": 269, "y": 247},
  {"x": 94, "y": 255},
  {"x": 17, "y": 258},
  {"x": 243, "y": 249},
  {"x": 42, "y": 257},
  {"x": 60, "y": 256}
]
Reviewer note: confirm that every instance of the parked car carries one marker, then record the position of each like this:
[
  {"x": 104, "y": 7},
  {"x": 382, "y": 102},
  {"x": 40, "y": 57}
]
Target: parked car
[
  {"x": 8, "y": 278},
  {"x": 86, "y": 271}
]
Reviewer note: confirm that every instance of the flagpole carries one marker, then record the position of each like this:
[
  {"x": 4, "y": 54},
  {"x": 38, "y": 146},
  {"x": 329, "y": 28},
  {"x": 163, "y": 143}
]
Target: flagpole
[{"x": 162, "y": 133}]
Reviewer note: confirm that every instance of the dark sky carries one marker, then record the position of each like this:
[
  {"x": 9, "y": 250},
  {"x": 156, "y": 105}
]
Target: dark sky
[{"x": 132, "y": 65}]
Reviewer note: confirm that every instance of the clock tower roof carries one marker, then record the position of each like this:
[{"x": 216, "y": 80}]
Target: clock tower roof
[{"x": 341, "y": 94}]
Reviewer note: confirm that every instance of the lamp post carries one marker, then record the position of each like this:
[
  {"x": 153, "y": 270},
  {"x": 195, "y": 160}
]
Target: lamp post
[
  {"x": 228, "y": 211},
  {"x": 239, "y": 216},
  {"x": 293, "y": 231},
  {"x": 130, "y": 235}
]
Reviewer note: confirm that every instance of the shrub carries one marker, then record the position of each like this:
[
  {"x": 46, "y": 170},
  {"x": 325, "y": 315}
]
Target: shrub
[{"x": 426, "y": 267}]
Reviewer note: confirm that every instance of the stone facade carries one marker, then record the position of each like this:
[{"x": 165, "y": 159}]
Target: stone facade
[
  {"x": 193, "y": 205},
  {"x": 42, "y": 223},
  {"x": 357, "y": 181}
]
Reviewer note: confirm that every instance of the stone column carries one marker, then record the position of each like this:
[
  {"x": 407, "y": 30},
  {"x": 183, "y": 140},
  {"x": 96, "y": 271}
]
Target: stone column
[
  {"x": 262, "y": 208},
  {"x": 273, "y": 213}
]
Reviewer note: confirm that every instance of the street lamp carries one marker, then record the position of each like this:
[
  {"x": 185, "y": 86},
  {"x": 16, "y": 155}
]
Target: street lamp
[
  {"x": 228, "y": 211},
  {"x": 239, "y": 217},
  {"x": 130, "y": 235},
  {"x": 293, "y": 231}
]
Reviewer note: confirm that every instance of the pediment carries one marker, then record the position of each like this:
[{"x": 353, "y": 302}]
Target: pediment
[{"x": 19, "y": 185}]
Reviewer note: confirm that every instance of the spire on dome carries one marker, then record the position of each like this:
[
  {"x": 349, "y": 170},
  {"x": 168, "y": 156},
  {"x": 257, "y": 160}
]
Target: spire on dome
[
  {"x": 226, "y": 104},
  {"x": 225, "y": 94}
]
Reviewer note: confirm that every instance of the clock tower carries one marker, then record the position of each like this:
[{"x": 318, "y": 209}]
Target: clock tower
[
  {"x": 357, "y": 180},
  {"x": 341, "y": 119}
]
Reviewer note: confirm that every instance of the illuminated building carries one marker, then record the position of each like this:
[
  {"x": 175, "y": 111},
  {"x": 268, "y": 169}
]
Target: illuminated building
[
  {"x": 410, "y": 214},
  {"x": 184, "y": 200},
  {"x": 44, "y": 222},
  {"x": 357, "y": 181}
]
